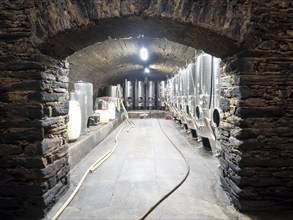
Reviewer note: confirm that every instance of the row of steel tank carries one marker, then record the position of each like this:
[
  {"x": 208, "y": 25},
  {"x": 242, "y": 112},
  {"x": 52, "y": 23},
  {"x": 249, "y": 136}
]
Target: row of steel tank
[
  {"x": 144, "y": 94},
  {"x": 193, "y": 97}
]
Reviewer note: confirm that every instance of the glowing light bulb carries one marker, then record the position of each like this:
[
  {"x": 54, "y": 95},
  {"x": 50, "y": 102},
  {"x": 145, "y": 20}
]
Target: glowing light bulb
[
  {"x": 146, "y": 70},
  {"x": 144, "y": 54}
]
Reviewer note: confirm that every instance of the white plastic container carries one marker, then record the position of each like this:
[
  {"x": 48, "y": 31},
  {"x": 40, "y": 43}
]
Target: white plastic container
[
  {"x": 104, "y": 116},
  {"x": 80, "y": 96},
  {"x": 112, "y": 110},
  {"x": 74, "y": 123}
]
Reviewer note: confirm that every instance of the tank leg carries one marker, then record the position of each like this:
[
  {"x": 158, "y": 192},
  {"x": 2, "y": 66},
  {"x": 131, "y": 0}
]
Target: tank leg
[
  {"x": 193, "y": 133},
  {"x": 206, "y": 144}
]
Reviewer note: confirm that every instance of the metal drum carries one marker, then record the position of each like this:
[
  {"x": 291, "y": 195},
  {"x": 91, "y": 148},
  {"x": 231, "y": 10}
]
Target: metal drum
[
  {"x": 161, "y": 94},
  {"x": 111, "y": 91},
  {"x": 128, "y": 95},
  {"x": 150, "y": 95},
  {"x": 139, "y": 95},
  {"x": 87, "y": 88}
]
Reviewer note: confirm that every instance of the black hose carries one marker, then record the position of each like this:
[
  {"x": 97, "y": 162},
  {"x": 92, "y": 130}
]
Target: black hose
[{"x": 177, "y": 186}]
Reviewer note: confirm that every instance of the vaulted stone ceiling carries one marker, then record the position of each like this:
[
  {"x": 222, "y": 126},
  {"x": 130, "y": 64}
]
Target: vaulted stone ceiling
[
  {"x": 105, "y": 52},
  {"x": 111, "y": 61}
]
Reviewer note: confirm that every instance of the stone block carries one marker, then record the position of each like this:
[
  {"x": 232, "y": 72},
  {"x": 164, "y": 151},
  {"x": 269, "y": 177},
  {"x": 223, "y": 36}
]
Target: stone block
[
  {"x": 10, "y": 149},
  {"x": 19, "y": 123},
  {"x": 253, "y": 162},
  {"x": 21, "y": 174},
  {"x": 53, "y": 97},
  {"x": 49, "y": 145},
  {"x": 60, "y": 109},
  {"x": 27, "y": 110},
  {"x": 52, "y": 181},
  {"x": 22, "y": 65},
  {"x": 7, "y": 162},
  {"x": 62, "y": 172},
  {"x": 47, "y": 97},
  {"x": 29, "y": 74},
  {"x": 259, "y": 112},
  {"x": 21, "y": 85},
  {"x": 57, "y": 153},
  {"x": 21, "y": 189},
  {"x": 36, "y": 200},
  {"x": 27, "y": 134},
  {"x": 31, "y": 163},
  {"x": 50, "y": 195},
  {"x": 33, "y": 211},
  {"x": 52, "y": 169}
]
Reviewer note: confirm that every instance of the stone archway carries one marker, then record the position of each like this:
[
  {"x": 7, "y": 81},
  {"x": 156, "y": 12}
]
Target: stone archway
[{"x": 256, "y": 160}]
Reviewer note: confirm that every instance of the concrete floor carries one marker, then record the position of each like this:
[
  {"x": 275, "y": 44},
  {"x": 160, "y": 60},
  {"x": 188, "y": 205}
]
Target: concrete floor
[{"x": 144, "y": 167}]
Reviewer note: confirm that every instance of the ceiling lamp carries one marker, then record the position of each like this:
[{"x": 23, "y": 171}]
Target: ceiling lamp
[{"x": 144, "y": 54}]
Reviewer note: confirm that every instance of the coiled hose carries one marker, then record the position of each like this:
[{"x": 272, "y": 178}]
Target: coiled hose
[{"x": 149, "y": 211}]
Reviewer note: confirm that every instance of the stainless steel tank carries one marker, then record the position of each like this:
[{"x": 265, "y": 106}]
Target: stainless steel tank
[
  {"x": 186, "y": 84},
  {"x": 161, "y": 94},
  {"x": 191, "y": 103},
  {"x": 111, "y": 91},
  {"x": 216, "y": 82},
  {"x": 207, "y": 100},
  {"x": 87, "y": 88},
  {"x": 128, "y": 95},
  {"x": 192, "y": 88},
  {"x": 150, "y": 95},
  {"x": 177, "y": 96},
  {"x": 206, "y": 80},
  {"x": 170, "y": 91},
  {"x": 182, "y": 96},
  {"x": 139, "y": 95}
]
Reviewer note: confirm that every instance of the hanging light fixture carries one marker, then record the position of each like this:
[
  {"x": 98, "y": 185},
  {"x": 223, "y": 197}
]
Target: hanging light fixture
[
  {"x": 146, "y": 70},
  {"x": 144, "y": 54}
]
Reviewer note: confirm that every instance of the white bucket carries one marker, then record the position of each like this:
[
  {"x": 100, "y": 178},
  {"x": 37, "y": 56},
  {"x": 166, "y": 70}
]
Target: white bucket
[
  {"x": 74, "y": 123},
  {"x": 112, "y": 110},
  {"x": 104, "y": 116}
]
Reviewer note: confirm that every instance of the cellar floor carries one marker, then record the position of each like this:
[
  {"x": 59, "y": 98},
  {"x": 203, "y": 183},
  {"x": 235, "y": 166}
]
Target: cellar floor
[{"x": 143, "y": 168}]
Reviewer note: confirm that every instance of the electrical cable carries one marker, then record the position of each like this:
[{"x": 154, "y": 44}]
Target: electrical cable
[{"x": 177, "y": 186}]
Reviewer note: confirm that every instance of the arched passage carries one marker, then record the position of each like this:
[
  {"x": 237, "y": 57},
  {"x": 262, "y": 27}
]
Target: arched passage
[{"x": 256, "y": 91}]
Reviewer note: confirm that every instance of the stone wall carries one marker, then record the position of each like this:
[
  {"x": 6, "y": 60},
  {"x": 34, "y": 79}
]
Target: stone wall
[
  {"x": 257, "y": 155},
  {"x": 34, "y": 151},
  {"x": 33, "y": 108},
  {"x": 62, "y": 27},
  {"x": 253, "y": 38}
]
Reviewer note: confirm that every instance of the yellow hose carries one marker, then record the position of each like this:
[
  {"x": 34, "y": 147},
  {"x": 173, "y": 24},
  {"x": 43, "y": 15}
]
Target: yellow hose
[
  {"x": 109, "y": 153},
  {"x": 97, "y": 163},
  {"x": 93, "y": 167}
]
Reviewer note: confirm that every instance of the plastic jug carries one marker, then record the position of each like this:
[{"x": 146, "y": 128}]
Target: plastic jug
[{"x": 104, "y": 116}]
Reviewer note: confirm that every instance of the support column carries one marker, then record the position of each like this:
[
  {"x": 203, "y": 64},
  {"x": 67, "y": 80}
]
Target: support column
[
  {"x": 257, "y": 154},
  {"x": 33, "y": 118}
]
